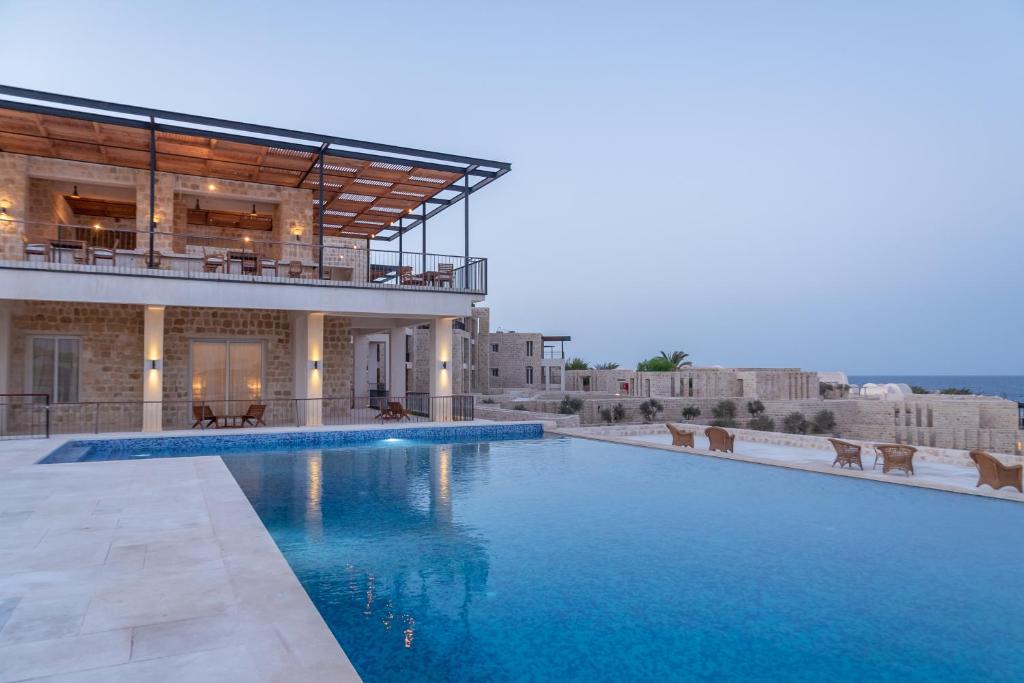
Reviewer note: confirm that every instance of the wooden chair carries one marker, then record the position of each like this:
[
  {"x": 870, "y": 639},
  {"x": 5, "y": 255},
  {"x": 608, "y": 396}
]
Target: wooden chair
[
  {"x": 847, "y": 454},
  {"x": 996, "y": 474},
  {"x": 254, "y": 415},
  {"x": 720, "y": 439},
  {"x": 405, "y": 277},
  {"x": 268, "y": 266},
  {"x": 104, "y": 254},
  {"x": 295, "y": 269},
  {"x": 398, "y": 411},
  {"x": 35, "y": 251},
  {"x": 203, "y": 416},
  {"x": 895, "y": 457},
  {"x": 212, "y": 262},
  {"x": 680, "y": 437},
  {"x": 445, "y": 274}
]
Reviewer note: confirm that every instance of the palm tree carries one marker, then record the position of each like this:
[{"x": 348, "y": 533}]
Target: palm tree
[{"x": 677, "y": 359}]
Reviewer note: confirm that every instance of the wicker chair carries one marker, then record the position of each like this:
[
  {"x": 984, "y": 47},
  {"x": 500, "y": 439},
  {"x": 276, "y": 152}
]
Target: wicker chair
[
  {"x": 847, "y": 454},
  {"x": 680, "y": 437},
  {"x": 996, "y": 474},
  {"x": 720, "y": 439},
  {"x": 896, "y": 457}
]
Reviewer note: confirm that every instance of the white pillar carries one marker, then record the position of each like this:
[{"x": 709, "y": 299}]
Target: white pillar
[
  {"x": 153, "y": 370},
  {"x": 396, "y": 366},
  {"x": 360, "y": 378},
  {"x": 441, "y": 369},
  {"x": 308, "y": 365}
]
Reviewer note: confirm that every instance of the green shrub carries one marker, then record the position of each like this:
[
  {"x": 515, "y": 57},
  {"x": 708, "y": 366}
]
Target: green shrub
[
  {"x": 606, "y": 415},
  {"x": 576, "y": 364},
  {"x": 724, "y": 414},
  {"x": 570, "y": 405},
  {"x": 954, "y": 391},
  {"x": 519, "y": 406},
  {"x": 795, "y": 423},
  {"x": 606, "y": 366},
  {"x": 762, "y": 423},
  {"x": 823, "y": 422},
  {"x": 755, "y": 408},
  {"x": 691, "y": 413},
  {"x": 619, "y": 412},
  {"x": 650, "y": 409},
  {"x": 914, "y": 388},
  {"x": 488, "y": 400},
  {"x": 656, "y": 364}
]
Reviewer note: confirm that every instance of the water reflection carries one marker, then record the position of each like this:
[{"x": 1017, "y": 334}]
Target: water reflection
[{"x": 374, "y": 535}]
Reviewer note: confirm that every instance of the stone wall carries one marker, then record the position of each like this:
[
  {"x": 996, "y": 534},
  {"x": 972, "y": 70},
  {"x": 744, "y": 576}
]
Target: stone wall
[
  {"x": 762, "y": 383},
  {"x": 511, "y": 359},
  {"x": 337, "y": 357}
]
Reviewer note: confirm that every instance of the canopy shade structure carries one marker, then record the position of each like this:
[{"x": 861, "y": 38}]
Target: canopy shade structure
[{"x": 360, "y": 189}]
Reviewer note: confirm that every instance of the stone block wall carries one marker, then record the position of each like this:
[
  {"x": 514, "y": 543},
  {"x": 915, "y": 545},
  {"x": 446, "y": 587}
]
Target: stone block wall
[
  {"x": 337, "y": 357},
  {"x": 511, "y": 359}
]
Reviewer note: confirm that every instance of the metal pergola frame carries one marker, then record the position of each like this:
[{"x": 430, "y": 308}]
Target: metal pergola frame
[{"x": 474, "y": 173}]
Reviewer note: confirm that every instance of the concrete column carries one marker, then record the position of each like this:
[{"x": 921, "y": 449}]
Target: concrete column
[
  {"x": 396, "y": 369},
  {"x": 308, "y": 365},
  {"x": 153, "y": 370},
  {"x": 5, "y": 347},
  {"x": 360, "y": 378},
  {"x": 441, "y": 377}
]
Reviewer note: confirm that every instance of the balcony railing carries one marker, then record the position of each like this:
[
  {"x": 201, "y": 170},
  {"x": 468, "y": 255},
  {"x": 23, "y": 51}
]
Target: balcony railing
[
  {"x": 33, "y": 416},
  {"x": 339, "y": 262}
]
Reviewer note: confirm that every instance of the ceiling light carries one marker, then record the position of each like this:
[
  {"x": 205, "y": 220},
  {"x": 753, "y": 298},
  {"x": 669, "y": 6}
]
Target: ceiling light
[
  {"x": 74, "y": 193},
  {"x": 197, "y": 205},
  {"x": 253, "y": 214},
  {"x": 211, "y": 187}
]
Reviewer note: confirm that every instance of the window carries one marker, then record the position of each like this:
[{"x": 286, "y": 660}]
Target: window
[
  {"x": 494, "y": 348},
  {"x": 529, "y": 373},
  {"x": 225, "y": 371},
  {"x": 529, "y": 348},
  {"x": 54, "y": 368},
  {"x": 494, "y": 372},
  {"x": 408, "y": 349}
]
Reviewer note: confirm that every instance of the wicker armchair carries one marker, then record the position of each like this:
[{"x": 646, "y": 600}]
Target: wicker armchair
[
  {"x": 847, "y": 454},
  {"x": 680, "y": 437},
  {"x": 996, "y": 474},
  {"x": 720, "y": 439},
  {"x": 896, "y": 457}
]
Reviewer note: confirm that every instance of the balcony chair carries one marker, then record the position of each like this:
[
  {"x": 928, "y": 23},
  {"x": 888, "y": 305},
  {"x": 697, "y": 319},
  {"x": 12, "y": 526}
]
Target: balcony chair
[
  {"x": 996, "y": 474},
  {"x": 847, "y": 454},
  {"x": 268, "y": 266},
  {"x": 203, "y": 416},
  {"x": 405, "y": 277},
  {"x": 895, "y": 457},
  {"x": 680, "y": 437},
  {"x": 254, "y": 415},
  {"x": 212, "y": 262},
  {"x": 295, "y": 269},
  {"x": 445, "y": 274},
  {"x": 35, "y": 251},
  {"x": 97, "y": 254},
  {"x": 719, "y": 439}
]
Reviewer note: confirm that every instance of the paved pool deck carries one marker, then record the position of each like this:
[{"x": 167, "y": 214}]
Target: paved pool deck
[
  {"x": 943, "y": 476},
  {"x": 154, "y": 570}
]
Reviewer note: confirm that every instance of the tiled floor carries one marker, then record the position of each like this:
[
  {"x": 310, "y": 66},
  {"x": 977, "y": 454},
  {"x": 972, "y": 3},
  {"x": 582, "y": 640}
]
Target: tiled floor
[{"x": 155, "y": 570}]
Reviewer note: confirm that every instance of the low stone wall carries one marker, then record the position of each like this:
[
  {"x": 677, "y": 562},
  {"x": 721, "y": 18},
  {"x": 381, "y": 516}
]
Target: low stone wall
[
  {"x": 498, "y": 414},
  {"x": 926, "y": 453}
]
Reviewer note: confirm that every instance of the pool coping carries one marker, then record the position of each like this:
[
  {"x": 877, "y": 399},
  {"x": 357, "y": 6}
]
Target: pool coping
[{"x": 805, "y": 467}]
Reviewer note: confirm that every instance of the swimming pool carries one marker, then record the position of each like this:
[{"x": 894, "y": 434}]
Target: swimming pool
[{"x": 558, "y": 558}]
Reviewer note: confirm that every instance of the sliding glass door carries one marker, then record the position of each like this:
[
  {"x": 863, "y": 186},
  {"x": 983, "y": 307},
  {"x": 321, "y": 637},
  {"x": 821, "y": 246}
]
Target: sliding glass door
[{"x": 227, "y": 374}]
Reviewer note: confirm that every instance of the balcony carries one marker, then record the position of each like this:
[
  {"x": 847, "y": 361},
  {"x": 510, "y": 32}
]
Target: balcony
[{"x": 181, "y": 254}]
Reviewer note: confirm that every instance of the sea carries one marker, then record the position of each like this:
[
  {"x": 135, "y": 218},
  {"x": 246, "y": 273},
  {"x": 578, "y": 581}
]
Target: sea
[{"x": 1005, "y": 386}]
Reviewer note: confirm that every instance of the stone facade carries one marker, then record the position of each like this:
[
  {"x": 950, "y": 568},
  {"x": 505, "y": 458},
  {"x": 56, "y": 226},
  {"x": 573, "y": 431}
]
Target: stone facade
[
  {"x": 759, "y": 383},
  {"x": 111, "y": 359}
]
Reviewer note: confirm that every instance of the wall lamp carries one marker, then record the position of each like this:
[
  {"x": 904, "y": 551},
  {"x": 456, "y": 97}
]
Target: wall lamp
[
  {"x": 444, "y": 365},
  {"x": 314, "y": 365},
  {"x": 154, "y": 364}
]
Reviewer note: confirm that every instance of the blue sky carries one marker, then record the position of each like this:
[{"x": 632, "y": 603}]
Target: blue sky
[{"x": 824, "y": 185}]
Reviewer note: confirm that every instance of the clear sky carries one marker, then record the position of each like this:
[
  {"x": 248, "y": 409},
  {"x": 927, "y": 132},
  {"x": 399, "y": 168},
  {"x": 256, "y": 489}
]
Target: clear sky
[{"x": 824, "y": 185}]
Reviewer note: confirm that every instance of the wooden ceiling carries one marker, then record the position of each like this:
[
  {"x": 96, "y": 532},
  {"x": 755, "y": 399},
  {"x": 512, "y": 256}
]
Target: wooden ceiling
[
  {"x": 361, "y": 197},
  {"x": 104, "y": 208},
  {"x": 231, "y": 219}
]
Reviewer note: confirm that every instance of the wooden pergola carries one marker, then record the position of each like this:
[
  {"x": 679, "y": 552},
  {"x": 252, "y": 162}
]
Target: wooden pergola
[{"x": 360, "y": 190}]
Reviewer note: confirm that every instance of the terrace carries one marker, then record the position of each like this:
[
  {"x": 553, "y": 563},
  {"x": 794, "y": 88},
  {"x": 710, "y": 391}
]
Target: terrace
[{"x": 116, "y": 189}]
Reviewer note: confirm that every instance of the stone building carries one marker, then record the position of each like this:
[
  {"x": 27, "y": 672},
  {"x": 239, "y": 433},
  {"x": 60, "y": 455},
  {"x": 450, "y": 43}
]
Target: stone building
[
  {"x": 150, "y": 268},
  {"x": 526, "y": 360},
  {"x": 752, "y": 383}
]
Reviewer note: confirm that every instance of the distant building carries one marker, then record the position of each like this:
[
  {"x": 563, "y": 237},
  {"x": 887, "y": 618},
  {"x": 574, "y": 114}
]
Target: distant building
[{"x": 526, "y": 360}]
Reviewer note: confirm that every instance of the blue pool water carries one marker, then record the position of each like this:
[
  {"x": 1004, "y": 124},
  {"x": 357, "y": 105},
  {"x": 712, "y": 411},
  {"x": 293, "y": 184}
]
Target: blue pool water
[{"x": 559, "y": 558}]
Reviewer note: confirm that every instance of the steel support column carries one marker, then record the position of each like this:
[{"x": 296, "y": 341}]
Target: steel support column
[
  {"x": 152, "y": 188},
  {"x": 320, "y": 217}
]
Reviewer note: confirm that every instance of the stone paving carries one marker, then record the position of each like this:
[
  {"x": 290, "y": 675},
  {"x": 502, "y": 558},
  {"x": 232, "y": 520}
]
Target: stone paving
[{"x": 155, "y": 570}]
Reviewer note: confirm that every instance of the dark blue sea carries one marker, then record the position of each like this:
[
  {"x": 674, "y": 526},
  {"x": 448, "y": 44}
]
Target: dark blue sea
[{"x": 1006, "y": 386}]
